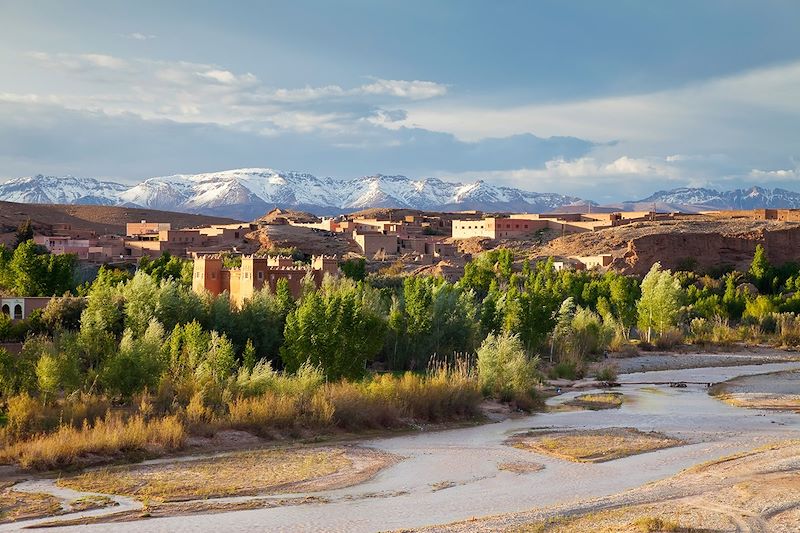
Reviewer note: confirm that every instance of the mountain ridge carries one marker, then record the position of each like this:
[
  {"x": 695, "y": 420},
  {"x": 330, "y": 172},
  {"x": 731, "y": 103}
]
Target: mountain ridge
[{"x": 247, "y": 193}]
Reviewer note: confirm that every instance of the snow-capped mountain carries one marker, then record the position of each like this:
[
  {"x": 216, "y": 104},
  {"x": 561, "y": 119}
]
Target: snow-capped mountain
[
  {"x": 702, "y": 198},
  {"x": 61, "y": 190},
  {"x": 247, "y": 193}
]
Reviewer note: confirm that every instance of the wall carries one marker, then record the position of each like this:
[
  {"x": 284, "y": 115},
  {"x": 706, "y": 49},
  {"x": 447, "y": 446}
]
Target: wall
[{"x": 374, "y": 243}]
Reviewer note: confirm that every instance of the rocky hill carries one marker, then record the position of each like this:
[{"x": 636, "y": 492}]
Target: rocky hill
[
  {"x": 703, "y": 242},
  {"x": 98, "y": 218}
]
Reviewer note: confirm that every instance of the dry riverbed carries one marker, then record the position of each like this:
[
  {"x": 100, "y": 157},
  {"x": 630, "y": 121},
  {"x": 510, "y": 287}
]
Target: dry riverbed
[{"x": 608, "y": 470}]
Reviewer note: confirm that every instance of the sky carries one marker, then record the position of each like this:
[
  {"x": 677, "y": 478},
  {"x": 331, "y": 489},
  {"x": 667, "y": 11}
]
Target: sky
[{"x": 607, "y": 100}]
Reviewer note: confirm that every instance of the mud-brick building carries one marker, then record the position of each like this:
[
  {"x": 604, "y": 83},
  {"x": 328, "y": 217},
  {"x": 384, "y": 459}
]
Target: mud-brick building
[
  {"x": 257, "y": 273},
  {"x": 20, "y": 308}
]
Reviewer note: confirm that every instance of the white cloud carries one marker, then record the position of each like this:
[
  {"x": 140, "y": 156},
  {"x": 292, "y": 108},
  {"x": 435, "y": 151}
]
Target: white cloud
[
  {"x": 590, "y": 167},
  {"x": 781, "y": 174},
  {"x": 78, "y": 62},
  {"x": 196, "y": 92},
  {"x": 414, "y": 90},
  {"x": 227, "y": 77},
  {"x": 708, "y": 117},
  {"x": 137, "y": 36}
]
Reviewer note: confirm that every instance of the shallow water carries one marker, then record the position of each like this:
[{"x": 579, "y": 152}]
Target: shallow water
[
  {"x": 404, "y": 496},
  {"x": 780, "y": 383}
]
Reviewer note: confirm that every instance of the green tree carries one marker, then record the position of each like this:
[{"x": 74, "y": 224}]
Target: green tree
[
  {"x": 249, "y": 356},
  {"x": 24, "y": 232},
  {"x": 354, "y": 268},
  {"x": 137, "y": 363},
  {"x": 504, "y": 369},
  {"x": 760, "y": 269},
  {"x": 34, "y": 272},
  {"x": 338, "y": 328},
  {"x": 63, "y": 313},
  {"x": 660, "y": 302},
  {"x": 56, "y": 372},
  {"x": 219, "y": 361}
]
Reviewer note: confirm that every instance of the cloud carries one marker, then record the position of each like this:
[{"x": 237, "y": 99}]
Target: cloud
[
  {"x": 198, "y": 92},
  {"x": 773, "y": 175},
  {"x": 415, "y": 90},
  {"x": 78, "y": 62},
  {"x": 42, "y": 137},
  {"x": 136, "y": 36}
]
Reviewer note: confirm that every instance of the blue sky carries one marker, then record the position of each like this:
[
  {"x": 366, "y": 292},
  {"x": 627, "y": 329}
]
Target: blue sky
[{"x": 605, "y": 100}]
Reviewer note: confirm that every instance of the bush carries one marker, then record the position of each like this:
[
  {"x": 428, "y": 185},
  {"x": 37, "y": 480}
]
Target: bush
[
  {"x": 566, "y": 370},
  {"x": 669, "y": 339},
  {"x": 504, "y": 369},
  {"x": 607, "y": 372},
  {"x": 588, "y": 334},
  {"x": 263, "y": 413},
  {"x": 108, "y": 437},
  {"x": 788, "y": 329}
]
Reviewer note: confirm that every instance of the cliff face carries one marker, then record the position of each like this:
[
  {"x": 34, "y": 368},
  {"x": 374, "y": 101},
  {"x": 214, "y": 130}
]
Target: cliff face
[{"x": 707, "y": 250}]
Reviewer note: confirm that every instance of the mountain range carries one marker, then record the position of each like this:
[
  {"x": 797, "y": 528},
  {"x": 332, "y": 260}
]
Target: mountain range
[{"x": 248, "y": 193}]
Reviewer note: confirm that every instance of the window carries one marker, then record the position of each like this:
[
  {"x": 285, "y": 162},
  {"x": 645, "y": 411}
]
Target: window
[
  {"x": 516, "y": 226},
  {"x": 526, "y": 226},
  {"x": 18, "y": 312},
  {"x": 213, "y": 275},
  {"x": 260, "y": 274}
]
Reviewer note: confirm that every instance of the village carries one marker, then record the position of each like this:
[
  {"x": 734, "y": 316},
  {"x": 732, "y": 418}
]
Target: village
[{"x": 420, "y": 242}]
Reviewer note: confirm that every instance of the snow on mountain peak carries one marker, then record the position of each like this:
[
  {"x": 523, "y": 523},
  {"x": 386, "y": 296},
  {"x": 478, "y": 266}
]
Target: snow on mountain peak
[{"x": 248, "y": 192}]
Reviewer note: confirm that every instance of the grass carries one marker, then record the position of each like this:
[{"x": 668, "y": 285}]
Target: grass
[
  {"x": 593, "y": 446},
  {"x": 597, "y": 401},
  {"x": 112, "y": 436},
  {"x": 520, "y": 467},
  {"x": 16, "y": 505},
  {"x": 262, "y": 402},
  {"x": 635, "y": 519},
  {"x": 94, "y": 501},
  {"x": 267, "y": 472}
]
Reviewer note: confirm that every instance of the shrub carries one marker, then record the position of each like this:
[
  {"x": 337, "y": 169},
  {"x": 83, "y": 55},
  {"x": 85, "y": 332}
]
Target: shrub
[
  {"x": 607, "y": 372},
  {"x": 588, "y": 334},
  {"x": 788, "y": 329},
  {"x": 722, "y": 333},
  {"x": 504, "y": 369},
  {"x": 566, "y": 370},
  {"x": 669, "y": 339},
  {"x": 262, "y": 413},
  {"x": 355, "y": 407},
  {"x": 108, "y": 437},
  {"x": 24, "y": 416}
]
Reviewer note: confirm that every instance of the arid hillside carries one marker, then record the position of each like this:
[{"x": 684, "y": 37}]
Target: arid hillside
[
  {"x": 98, "y": 218},
  {"x": 701, "y": 242},
  {"x": 306, "y": 240}
]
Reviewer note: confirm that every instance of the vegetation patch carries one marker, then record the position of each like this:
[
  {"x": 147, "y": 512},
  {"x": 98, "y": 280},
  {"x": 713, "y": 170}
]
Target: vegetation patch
[
  {"x": 593, "y": 446},
  {"x": 15, "y": 505},
  {"x": 634, "y": 519},
  {"x": 520, "y": 467},
  {"x": 597, "y": 401},
  {"x": 272, "y": 471},
  {"x": 441, "y": 485},
  {"x": 112, "y": 436},
  {"x": 93, "y": 501}
]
